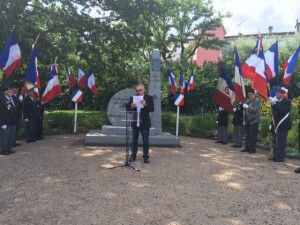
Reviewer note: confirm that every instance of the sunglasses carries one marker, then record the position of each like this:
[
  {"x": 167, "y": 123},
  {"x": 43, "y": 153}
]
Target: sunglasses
[{"x": 138, "y": 90}]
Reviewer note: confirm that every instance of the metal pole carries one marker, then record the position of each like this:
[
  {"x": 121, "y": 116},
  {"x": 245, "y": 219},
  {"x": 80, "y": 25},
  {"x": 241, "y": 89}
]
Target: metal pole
[
  {"x": 75, "y": 119},
  {"x": 177, "y": 121}
]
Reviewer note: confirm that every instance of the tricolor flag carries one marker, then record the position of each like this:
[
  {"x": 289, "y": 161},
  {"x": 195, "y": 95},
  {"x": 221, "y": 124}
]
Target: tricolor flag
[
  {"x": 260, "y": 81},
  {"x": 71, "y": 80},
  {"x": 239, "y": 86},
  {"x": 81, "y": 78},
  {"x": 190, "y": 85},
  {"x": 271, "y": 57},
  {"x": 224, "y": 94},
  {"x": 172, "y": 81},
  {"x": 32, "y": 80},
  {"x": 248, "y": 69},
  {"x": 181, "y": 82},
  {"x": 10, "y": 58},
  {"x": 76, "y": 96},
  {"x": 289, "y": 67},
  {"x": 90, "y": 81},
  {"x": 53, "y": 87}
]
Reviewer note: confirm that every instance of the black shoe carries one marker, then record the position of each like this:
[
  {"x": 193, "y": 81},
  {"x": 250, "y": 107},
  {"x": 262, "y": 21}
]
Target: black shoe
[
  {"x": 251, "y": 152},
  {"x": 297, "y": 170},
  {"x": 218, "y": 142},
  {"x": 16, "y": 144},
  {"x": 146, "y": 161},
  {"x": 224, "y": 143},
  {"x": 4, "y": 153},
  {"x": 245, "y": 150},
  {"x": 271, "y": 158},
  {"x": 278, "y": 160},
  {"x": 11, "y": 151},
  {"x": 132, "y": 158}
]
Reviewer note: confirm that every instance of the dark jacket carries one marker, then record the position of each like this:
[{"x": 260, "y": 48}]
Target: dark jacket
[
  {"x": 280, "y": 109},
  {"x": 223, "y": 118},
  {"x": 30, "y": 109},
  {"x": 19, "y": 106},
  {"x": 238, "y": 115},
  {"x": 8, "y": 112},
  {"x": 145, "y": 121}
]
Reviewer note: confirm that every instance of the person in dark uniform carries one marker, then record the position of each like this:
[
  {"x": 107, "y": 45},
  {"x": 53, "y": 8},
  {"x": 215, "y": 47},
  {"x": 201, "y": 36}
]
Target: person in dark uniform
[
  {"x": 238, "y": 125},
  {"x": 30, "y": 110},
  {"x": 280, "y": 125},
  {"x": 252, "y": 120},
  {"x": 143, "y": 123},
  {"x": 40, "y": 120},
  {"x": 8, "y": 114},
  {"x": 18, "y": 100},
  {"x": 222, "y": 122}
]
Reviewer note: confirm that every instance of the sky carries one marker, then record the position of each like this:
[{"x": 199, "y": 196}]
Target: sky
[{"x": 254, "y": 15}]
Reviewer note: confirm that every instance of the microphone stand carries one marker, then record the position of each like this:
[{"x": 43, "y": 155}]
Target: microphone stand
[{"x": 127, "y": 161}]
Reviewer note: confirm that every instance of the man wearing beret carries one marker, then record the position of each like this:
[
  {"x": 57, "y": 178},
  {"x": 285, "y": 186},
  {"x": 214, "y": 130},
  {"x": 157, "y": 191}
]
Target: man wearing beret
[
  {"x": 252, "y": 121},
  {"x": 280, "y": 125},
  {"x": 8, "y": 115}
]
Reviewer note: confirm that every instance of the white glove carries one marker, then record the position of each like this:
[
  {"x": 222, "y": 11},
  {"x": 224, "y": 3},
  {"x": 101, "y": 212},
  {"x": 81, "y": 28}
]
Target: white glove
[
  {"x": 234, "y": 109},
  {"x": 26, "y": 120},
  {"x": 270, "y": 127},
  {"x": 21, "y": 98},
  {"x": 271, "y": 100},
  {"x": 4, "y": 127},
  {"x": 220, "y": 108},
  {"x": 245, "y": 106},
  {"x": 216, "y": 122}
]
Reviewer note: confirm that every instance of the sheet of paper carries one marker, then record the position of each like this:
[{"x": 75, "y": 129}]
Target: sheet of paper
[{"x": 137, "y": 100}]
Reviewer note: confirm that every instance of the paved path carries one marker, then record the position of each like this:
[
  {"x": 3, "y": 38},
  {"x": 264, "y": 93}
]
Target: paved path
[{"x": 61, "y": 181}]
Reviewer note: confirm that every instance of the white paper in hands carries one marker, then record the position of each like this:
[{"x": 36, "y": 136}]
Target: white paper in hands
[{"x": 137, "y": 101}]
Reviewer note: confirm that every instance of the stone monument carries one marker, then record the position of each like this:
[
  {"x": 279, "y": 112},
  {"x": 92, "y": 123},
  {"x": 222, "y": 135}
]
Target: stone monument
[{"x": 115, "y": 134}]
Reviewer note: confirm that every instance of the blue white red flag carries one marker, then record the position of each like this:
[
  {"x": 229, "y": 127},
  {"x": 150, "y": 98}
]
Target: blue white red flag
[
  {"x": 179, "y": 99},
  {"x": 248, "y": 69},
  {"x": 172, "y": 81},
  {"x": 53, "y": 87},
  {"x": 272, "y": 64},
  {"x": 224, "y": 94},
  {"x": 76, "y": 96},
  {"x": 260, "y": 81},
  {"x": 10, "y": 58},
  {"x": 181, "y": 82},
  {"x": 90, "y": 81},
  {"x": 71, "y": 80},
  {"x": 81, "y": 78},
  {"x": 190, "y": 85},
  {"x": 289, "y": 67},
  {"x": 239, "y": 86}
]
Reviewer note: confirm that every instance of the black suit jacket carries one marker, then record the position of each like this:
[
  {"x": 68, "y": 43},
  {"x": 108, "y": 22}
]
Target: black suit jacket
[
  {"x": 145, "y": 121},
  {"x": 280, "y": 109},
  {"x": 223, "y": 118},
  {"x": 8, "y": 112},
  {"x": 30, "y": 109}
]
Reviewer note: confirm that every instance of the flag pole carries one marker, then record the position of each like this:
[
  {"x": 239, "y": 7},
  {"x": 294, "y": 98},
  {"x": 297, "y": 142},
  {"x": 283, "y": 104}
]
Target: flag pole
[
  {"x": 75, "y": 117},
  {"x": 177, "y": 121}
]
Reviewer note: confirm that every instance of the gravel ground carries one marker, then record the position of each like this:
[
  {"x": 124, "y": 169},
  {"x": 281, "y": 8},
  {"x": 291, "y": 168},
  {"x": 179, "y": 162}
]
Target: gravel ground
[{"x": 61, "y": 181}]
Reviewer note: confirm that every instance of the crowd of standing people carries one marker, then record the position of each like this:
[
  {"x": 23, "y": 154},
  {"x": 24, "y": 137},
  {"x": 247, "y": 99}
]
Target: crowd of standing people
[
  {"x": 13, "y": 108},
  {"x": 247, "y": 117}
]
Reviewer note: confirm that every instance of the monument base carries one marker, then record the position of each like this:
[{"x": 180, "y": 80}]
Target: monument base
[{"x": 96, "y": 137}]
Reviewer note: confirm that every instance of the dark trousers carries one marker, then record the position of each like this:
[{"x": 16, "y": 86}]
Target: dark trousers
[
  {"x": 30, "y": 130},
  {"x": 251, "y": 136},
  {"x": 222, "y": 133},
  {"x": 7, "y": 138},
  {"x": 145, "y": 137},
  {"x": 238, "y": 134},
  {"x": 279, "y": 142},
  {"x": 39, "y": 129},
  {"x": 18, "y": 124}
]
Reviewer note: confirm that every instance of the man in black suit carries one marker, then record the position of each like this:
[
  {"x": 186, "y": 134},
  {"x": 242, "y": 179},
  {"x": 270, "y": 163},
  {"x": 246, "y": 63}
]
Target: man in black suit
[
  {"x": 142, "y": 121},
  {"x": 30, "y": 110},
  {"x": 280, "y": 125},
  {"x": 7, "y": 121},
  {"x": 18, "y": 100}
]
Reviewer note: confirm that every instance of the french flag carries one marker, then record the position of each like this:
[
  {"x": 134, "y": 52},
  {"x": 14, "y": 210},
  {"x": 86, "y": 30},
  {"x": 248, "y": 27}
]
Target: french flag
[
  {"x": 172, "y": 81},
  {"x": 224, "y": 94},
  {"x": 81, "y": 78},
  {"x": 71, "y": 80},
  {"x": 271, "y": 57},
  {"x": 10, "y": 58},
  {"x": 53, "y": 87},
  {"x": 289, "y": 67},
  {"x": 32, "y": 80},
  {"x": 190, "y": 85},
  {"x": 260, "y": 80},
  {"x": 181, "y": 82},
  {"x": 90, "y": 81},
  {"x": 248, "y": 69},
  {"x": 239, "y": 86}
]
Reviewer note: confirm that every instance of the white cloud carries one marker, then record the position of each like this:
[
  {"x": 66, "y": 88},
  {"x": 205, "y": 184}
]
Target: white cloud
[{"x": 259, "y": 14}]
